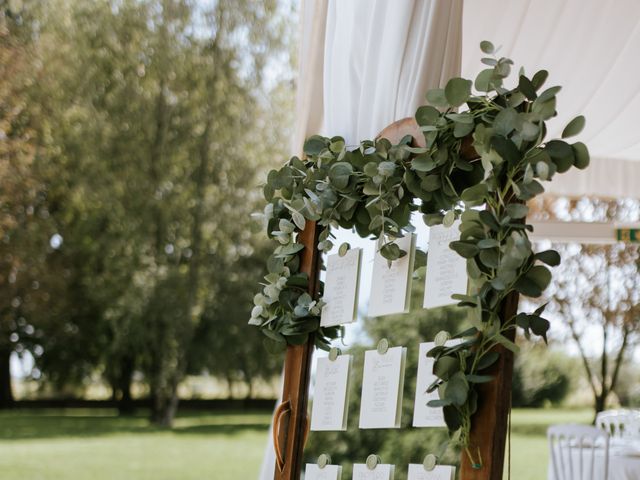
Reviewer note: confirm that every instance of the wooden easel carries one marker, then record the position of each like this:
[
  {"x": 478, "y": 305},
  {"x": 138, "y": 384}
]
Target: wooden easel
[{"x": 489, "y": 424}]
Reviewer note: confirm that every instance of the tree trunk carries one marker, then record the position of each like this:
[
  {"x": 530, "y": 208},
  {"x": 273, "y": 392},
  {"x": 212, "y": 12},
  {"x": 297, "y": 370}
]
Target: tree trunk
[
  {"x": 601, "y": 401},
  {"x": 125, "y": 402},
  {"x": 6, "y": 392}
]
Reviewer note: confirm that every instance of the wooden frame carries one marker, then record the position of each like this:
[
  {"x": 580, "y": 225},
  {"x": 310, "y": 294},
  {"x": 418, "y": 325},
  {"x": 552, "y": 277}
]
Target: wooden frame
[{"x": 489, "y": 424}]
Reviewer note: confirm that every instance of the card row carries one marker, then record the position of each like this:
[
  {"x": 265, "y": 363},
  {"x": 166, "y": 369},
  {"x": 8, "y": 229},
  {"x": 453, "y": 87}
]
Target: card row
[
  {"x": 391, "y": 285},
  {"x": 381, "y": 472},
  {"x": 382, "y": 391}
]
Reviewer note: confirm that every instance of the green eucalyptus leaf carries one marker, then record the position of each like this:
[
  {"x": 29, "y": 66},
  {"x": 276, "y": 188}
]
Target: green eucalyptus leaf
[
  {"x": 314, "y": 145},
  {"x": 526, "y": 86},
  {"x": 487, "y": 47},
  {"x": 540, "y": 275},
  {"x": 427, "y": 115},
  {"x": 539, "y": 326},
  {"x": 423, "y": 163},
  {"x": 489, "y": 257},
  {"x": 449, "y": 218},
  {"x": 437, "y": 98},
  {"x": 457, "y": 91},
  {"x": 506, "y": 149},
  {"x": 539, "y": 78},
  {"x": 479, "y": 378},
  {"x": 457, "y": 389},
  {"x": 444, "y": 367},
  {"x": 487, "y": 360},
  {"x": 550, "y": 257},
  {"x": 339, "y": 174},
  {"x": 484, "y": 80},
  {"x": 299, "y": 220},
  {"x": 581, "y": 155},
  {"x": 452, "y": 417},
  {"x": 517, "y": 210},
  {"x": 548, "y": 94},
  {"x": 464, "y": 248},
  {"x": 432, "y": 219},
  {"x": 527, "y": 287},
  {"x": 475, "y": 195},
  {"x": 505, "y": 342},
  {"x": 505, "y": 121},
  {"x": 574, "y": 127}
]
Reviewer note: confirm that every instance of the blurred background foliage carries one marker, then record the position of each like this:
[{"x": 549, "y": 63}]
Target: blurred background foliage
[{"x": 134, "y": 135}]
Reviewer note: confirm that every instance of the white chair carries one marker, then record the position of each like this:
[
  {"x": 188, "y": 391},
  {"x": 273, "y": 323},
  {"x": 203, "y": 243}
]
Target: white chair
[
  {"x": 620, "y": 424},
  {"x": 578, "y": 452}
]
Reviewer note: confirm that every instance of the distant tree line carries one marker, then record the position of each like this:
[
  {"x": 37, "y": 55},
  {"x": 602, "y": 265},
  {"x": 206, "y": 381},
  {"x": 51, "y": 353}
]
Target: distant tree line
[{"x": 133, "y": 137}]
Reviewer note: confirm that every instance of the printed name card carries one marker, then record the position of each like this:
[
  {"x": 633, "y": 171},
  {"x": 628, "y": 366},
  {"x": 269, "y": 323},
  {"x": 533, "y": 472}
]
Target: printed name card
[
  {"x": 329, "y": 411},
  {"x": 341, "y": 288},
  {"x": 391, "y": 286},
  {"x": 382, "y": 385},
  {"x": 328, "y": 472},
  {"x": 446, "y": 270},
  {"x": 423, "y": 415},
  {"x": 440, "y": 472},
  {"x": 383, "y": 471}
]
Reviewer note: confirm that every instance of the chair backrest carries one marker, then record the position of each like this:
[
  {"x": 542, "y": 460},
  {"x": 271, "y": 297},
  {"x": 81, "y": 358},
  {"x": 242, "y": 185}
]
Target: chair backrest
[
  {"x": 578, "y": 452},
  {"x": 620, "y": 423}
]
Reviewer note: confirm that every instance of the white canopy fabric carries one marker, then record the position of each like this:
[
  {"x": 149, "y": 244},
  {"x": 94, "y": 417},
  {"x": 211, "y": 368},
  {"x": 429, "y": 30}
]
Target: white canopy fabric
[
  {"x": 378, "y": 57},
  {"x": 592, "y": 49}
]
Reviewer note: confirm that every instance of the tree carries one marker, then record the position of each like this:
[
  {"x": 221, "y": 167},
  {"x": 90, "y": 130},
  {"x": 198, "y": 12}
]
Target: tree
[
  {"x": 154, "y": 121},
  {"x": 596, "y": 292}
]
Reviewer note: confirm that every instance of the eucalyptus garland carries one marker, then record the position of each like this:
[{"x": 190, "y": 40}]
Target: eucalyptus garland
[{"x": 484, "y": 158}]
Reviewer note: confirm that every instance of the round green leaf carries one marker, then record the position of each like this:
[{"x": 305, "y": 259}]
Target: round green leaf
[
  {"x": 339, "y": 174},
  {"x": 445, "y": 367},
  {"x": 457, "y": 91},
  {"x": 427, "y": 115},
  {"x": 437, "y": 97},
  {"x": 487, "y": 47},
  {"x": 423, "y": 163},
  {"x": 550, "y": 257},
  {"x": 484, "y": 79},
  {"x": 581, "y": 155},
  {"x": 517, "y": 210}
]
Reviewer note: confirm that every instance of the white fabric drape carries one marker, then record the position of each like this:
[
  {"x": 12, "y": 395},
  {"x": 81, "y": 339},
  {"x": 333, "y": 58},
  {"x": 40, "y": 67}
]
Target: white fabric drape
[
  {"x": 381, "y": 56},
  {"x": 592, "y": 49}
]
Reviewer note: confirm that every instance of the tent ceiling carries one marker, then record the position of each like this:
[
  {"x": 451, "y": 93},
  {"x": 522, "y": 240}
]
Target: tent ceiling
[
  {"x": 376, "y": 58},
  {"x": 592, "y": 49}
]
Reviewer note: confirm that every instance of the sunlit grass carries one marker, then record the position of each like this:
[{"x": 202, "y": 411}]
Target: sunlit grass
[{"x": 97, "y": 444}]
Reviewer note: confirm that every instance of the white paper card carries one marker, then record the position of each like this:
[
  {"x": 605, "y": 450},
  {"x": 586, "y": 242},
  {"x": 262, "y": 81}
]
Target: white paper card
[
  {"x": 424, "y": 416},
  {"x": 446, "y": 270},
  {"x": 328, "y": 472},
  {"x": 382, "y": 385},
  {"x": 341, "y": 288},
  {"x": 440, "y": 472},
  {"x": 383, "y": 471},
  {"x": 330, "y": 398},
  {"x": 391, "y": 286}
]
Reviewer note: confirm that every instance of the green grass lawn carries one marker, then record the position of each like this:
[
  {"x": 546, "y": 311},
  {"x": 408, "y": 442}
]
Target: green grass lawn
[{"x": 98, "y": 445}]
